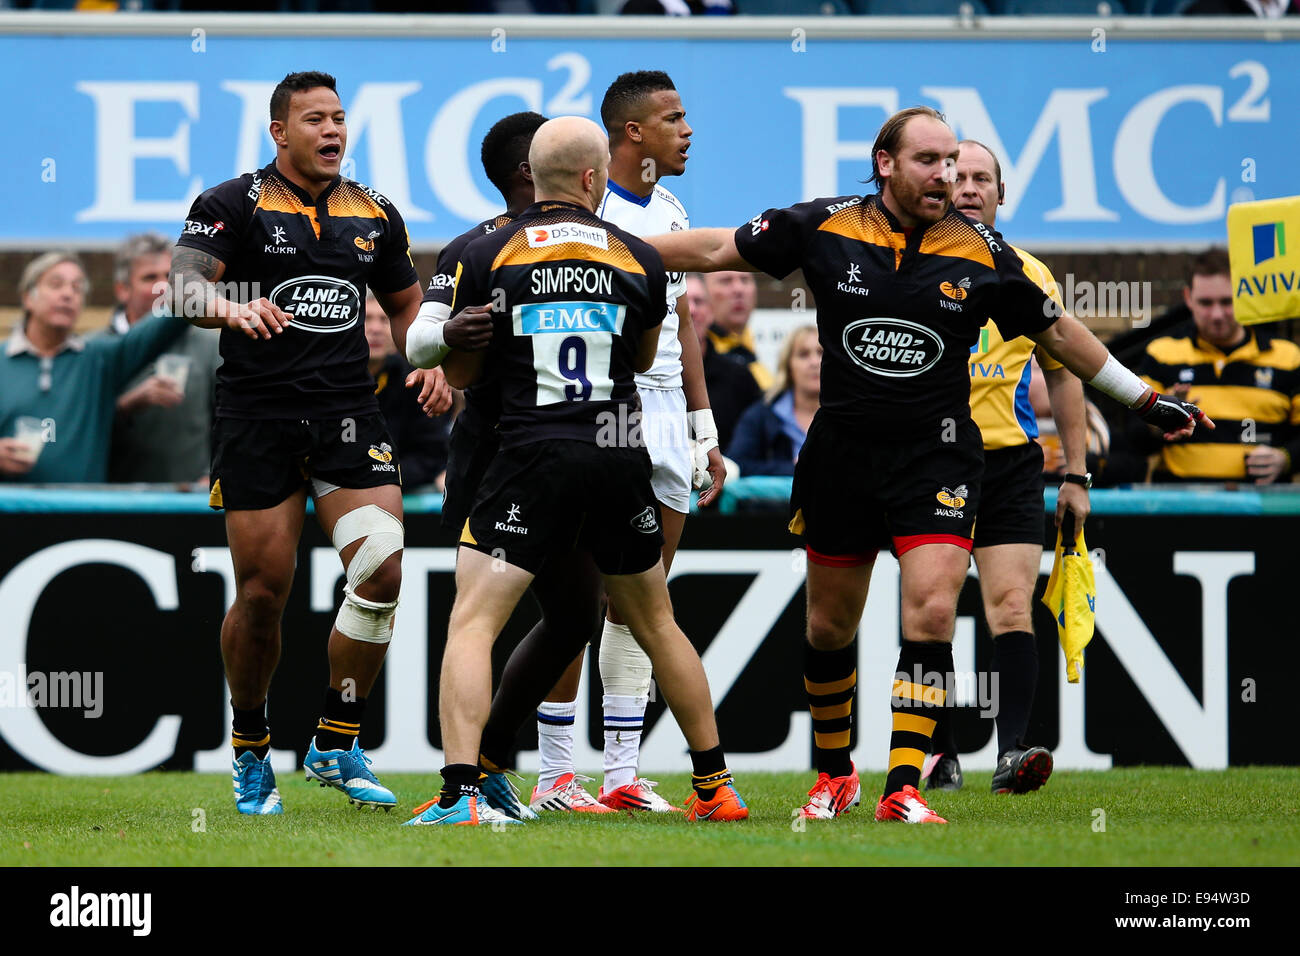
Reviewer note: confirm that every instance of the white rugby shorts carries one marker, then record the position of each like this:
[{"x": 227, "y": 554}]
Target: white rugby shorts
[{"x": 667, "y": 436}]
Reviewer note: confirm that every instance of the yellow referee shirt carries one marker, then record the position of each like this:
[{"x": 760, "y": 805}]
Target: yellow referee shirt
[{"x": 1000, "y": 372}]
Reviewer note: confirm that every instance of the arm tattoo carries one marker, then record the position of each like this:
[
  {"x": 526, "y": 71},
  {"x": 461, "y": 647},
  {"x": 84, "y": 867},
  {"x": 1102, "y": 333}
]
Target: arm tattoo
[{"x": 190, "y": 282}]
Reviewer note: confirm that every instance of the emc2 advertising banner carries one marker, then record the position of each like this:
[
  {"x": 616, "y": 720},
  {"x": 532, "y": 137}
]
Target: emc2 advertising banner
[{"x": 1131, "y": 141}]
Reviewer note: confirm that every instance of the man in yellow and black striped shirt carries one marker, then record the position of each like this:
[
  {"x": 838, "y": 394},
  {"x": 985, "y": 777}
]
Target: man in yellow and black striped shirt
[{"x": 1247, "y": 379}]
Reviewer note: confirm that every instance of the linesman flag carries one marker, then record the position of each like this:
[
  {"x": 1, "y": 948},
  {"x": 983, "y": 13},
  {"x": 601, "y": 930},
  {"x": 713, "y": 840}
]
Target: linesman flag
[
  {"x": 1264, "y": 251},
  {"x": 1071, "y": 596}
]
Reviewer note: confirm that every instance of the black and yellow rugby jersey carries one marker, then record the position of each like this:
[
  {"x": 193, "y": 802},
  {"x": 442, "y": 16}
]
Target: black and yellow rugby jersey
[
  {"x": 1000, "y": 372},
  {"x": 573, "y": 295},
  {"x": 1252, "y": 393},
  {"x": 897, "y": 313},
  {"x": 314, "y": 260},
  {"x": 482, "y": 401}
]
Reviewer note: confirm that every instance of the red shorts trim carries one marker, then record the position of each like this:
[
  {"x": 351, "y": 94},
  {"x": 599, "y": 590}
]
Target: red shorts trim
[
  {"x": 906, "y": 542},
  {"x": 841, "y": 560}
]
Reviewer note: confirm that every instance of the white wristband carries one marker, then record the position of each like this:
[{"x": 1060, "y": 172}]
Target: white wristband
[
  {"x": 425, "y": 345},
  {"x": 705, "y": 429},
  {"x": 1119, "y": 383}
]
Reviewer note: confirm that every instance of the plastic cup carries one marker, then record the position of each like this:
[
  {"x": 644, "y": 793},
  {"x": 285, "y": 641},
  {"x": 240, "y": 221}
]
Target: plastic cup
[
  {"x": 30, "y": 433},
  {"x": 175, "y": 369}
]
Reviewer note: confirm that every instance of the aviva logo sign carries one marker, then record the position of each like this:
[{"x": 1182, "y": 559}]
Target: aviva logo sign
[
  {"x": 1269, "y": 240},
  {"x": 1265, "y": 270}
]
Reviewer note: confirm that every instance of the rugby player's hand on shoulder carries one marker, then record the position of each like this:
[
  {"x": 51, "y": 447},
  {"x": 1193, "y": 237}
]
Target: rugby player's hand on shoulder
[
  {"x": 434, "y": 395},
  {"x": 1172, "y": 416},
  {"x": 258, "y": 319},
  {"x": 470, "y": 329}
]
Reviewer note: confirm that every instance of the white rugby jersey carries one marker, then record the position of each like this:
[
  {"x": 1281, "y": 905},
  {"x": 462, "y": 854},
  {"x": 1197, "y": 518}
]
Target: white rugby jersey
[{"x": 657, "y": 213}]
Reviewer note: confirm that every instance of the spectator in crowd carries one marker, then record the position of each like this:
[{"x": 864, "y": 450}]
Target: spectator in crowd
[
  {"x": 770, "y": 434},
  {"x": 58, "y": 390},
  {"x": 421, "y": 441},
  {"x": 732, "y": 297},
  {"x": 1246, "y": 379},
  {"x": 164, "y": 418},
  {"x": 731, "y": 387}
]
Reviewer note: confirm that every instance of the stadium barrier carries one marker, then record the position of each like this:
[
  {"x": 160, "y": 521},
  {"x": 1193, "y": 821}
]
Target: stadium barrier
[{"x": 111, "y": 604}]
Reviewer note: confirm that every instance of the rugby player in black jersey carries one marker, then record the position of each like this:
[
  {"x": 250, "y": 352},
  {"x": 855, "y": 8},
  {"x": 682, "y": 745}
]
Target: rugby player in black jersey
[
  {"x": 903, "y": 284},
  {"x": 280, "y": 261},
  {"x": 567, "y": 588},
  {"x": 571, "y": 465}
]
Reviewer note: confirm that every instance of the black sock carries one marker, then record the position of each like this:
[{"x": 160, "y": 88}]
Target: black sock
[
  {"x": 249, "y": 731},
  {"x": 944, "y": 740},
  {"x": 569, "y": 593},
  {"x": 1015, "y": 664},
  {"x": 340, "y": 725},
  {"x": 458, "y": 780},
  {"x": 921, "y": 686},
  {"x": 709, "y": 772},
  {"x": 831, "y": 678}
]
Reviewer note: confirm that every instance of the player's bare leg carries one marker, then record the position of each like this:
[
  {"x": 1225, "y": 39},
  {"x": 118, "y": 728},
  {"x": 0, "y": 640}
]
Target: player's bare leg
[
  {"x": 836, "y": 597},
  {"x": 365, "y": 525},
  {"x": 1008, "y": 574},
  {"x": 263, "y": 544},
  {"x": 931, "y": 578},
  {"x": 645, "y": 603},
  {"x": 487, "y": 591},
  {"x": 625, "y": 673}
]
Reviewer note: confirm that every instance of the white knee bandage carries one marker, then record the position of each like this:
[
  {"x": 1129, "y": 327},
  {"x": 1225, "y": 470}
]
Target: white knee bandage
[
  {"x": 359, "y": 618},
  {"x": 624, "y": 668}
]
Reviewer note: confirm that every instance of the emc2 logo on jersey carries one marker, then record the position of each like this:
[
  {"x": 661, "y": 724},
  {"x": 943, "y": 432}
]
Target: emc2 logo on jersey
[{"x": 540, "y": 318}]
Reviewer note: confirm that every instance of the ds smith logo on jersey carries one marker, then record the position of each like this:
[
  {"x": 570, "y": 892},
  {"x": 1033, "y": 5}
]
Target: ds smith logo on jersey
[
  {"x": 892, "y": 347},
  {"x": 562, "y": 232}
]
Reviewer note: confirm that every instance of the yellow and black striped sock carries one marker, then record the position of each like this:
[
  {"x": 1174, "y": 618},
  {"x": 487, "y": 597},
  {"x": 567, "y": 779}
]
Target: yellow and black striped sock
[
  {"x": 250, "y": 732},
  {"x": 920, "y": 688},
  {"x": 709, "y": 772},
  {"x": 831, "y": 680},
  {"x": 341, "y": 723}
]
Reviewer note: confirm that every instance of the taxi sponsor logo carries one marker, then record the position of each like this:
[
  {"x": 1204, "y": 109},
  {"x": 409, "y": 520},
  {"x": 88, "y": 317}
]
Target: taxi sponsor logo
[
  {"x": 562, "y": 232},
  {"x": 758, "y": 224},
  {"x": 319, "y": 303},
  {"x": 195, "y": 228},
  {"x": 895, "y": 348},
  {"x": 442, "y": 280}
]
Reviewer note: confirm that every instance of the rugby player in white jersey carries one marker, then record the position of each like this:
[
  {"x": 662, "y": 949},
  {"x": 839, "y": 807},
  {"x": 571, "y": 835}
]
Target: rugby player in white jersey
[{"x": 648, "y": 140}]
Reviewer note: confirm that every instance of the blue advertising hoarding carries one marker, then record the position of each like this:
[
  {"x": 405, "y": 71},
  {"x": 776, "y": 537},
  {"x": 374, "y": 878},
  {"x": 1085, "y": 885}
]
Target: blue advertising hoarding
[{"x": 1140, "y": 141}]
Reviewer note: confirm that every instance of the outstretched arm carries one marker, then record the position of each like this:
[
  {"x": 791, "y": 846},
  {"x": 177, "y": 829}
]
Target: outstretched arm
[{"x": 700, "y": 250}]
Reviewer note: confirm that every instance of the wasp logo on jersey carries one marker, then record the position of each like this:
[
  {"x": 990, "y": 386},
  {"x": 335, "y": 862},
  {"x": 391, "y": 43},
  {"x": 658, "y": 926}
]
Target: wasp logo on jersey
[
  {"x": 383, "y": 456},
  {"x": 367, "y": 244},
  {"x": 958, "y": 291},
  {"x": 953, "y": 497},
  {"x": 562, "y": 232},
  {"x": 892, "y": 347}
]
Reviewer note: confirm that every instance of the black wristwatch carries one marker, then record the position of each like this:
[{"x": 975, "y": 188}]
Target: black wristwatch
[{"x": 1083, "y": 480}]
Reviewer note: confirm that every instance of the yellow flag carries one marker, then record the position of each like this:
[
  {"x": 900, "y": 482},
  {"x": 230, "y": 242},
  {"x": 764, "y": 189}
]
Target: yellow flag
[
  {"x": 1071, "y": 596},
  {"x": 1264, "y": 251}
]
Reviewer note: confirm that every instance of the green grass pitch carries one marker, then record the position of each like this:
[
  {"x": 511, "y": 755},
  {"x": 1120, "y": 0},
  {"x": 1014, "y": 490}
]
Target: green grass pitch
[{"x": 1151, "y": 817}]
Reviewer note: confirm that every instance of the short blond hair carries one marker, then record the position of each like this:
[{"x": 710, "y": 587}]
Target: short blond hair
[{"x": 783, "y": 377}]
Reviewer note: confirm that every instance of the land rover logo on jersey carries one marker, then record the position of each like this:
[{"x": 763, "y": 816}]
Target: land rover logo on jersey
[
  {"x": 953, "y": 497},
  {"x": 646, "y": 522},
  {"x": 318, "y": 303},
  {"x": 893, "y": 347}
]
